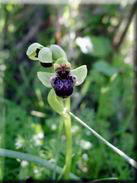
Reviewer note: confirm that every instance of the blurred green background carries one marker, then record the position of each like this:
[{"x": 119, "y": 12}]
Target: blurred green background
[{"x": 91, "y": 35}]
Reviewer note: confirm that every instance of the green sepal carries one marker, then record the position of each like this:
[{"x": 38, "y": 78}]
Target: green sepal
[
  {"x": 45, "y": 78},
  {"x": 45, "y": 55},
  {"x": 55, "y": 102},
  {"x": 57, "y": 52},
  {"x": 80, "y": 73},
  {"x": 32, "y": 51}
]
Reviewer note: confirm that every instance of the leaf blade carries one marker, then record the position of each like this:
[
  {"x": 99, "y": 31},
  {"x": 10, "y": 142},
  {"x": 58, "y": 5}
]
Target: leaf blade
[{"x": 55, "y": 102}]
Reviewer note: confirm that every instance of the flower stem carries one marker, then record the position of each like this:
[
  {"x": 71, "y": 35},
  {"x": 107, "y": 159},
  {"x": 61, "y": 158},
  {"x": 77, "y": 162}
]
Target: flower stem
[{"x": 67, "y": 123}]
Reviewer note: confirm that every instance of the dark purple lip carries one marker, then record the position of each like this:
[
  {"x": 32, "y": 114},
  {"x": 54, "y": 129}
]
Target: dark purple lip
[
  {"x": 63, "y": 87},
  {"x": 63, "y": 74}
]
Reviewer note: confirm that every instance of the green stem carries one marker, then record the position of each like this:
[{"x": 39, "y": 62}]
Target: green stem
[{"x": 67, "y": 123}]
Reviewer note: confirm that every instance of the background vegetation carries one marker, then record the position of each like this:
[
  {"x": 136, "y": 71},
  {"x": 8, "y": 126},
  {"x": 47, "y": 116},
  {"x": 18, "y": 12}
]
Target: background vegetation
[{"x": 91, "y": 35}]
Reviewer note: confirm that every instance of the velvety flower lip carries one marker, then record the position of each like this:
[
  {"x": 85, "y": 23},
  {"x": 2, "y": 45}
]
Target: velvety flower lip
[
  {"x": 63, "y": 74},
  {"x": 57, "y": 83},
  {"x": 63, "y": 71},
  {"x": 63, "y": 87}
]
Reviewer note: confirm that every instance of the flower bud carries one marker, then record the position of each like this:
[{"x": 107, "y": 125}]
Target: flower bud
[
  {"x": 57, "y": 52},
  {"x": 45, "y": 55},
  {"x": 33, "y": 50}
]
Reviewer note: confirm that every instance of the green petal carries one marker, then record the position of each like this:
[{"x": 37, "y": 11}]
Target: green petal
[
  {"x": 55, "y": 102},
  {"x": 57, "y": 52},
  {"x": 80, "y": 73},
  {"x": 45, "y": 78},
  {"x": 31, "y": 51},
  {"x": 45, "y": 55}
]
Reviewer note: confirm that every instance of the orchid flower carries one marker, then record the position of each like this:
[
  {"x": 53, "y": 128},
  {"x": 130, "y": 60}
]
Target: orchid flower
[{"x": 64, "y": 78}]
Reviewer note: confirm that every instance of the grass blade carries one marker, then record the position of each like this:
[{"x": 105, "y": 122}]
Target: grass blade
[
  {"x": 29, "y": 157},
  {"x": 118, "y": 151}
]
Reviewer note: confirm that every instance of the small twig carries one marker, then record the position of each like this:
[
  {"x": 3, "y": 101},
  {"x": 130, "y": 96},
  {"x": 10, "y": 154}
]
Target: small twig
[
  {"x": 25, "y": 12},
  {"x": 135, "y": 85},
  {"x": 58, "y": 25},
  {"x": 106, "y": 179},
  {"x": 123, "y": 15},
  {"x": 118, "y": 151},
  {"x": 32, "y": 32},
  {"x": 117, "y": 44},
  {"x": 29, "y": 36}
]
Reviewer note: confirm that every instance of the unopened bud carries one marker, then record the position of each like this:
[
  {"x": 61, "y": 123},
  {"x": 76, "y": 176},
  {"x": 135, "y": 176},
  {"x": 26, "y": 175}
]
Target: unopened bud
[
  {"x": 45, "y": 55},
  {"x": 33, "y": 50},
  {"x": 57, "y": 52}
]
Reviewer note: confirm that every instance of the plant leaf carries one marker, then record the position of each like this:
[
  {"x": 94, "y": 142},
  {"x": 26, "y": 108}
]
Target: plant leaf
[
  {"x": 105, "y": 68},
  {"x": 80, "y": 73},
  {"x": 101, "y": 46},
  {"x": 55, "y": 102},
  {"x": 32, "y": 51},
  {"x": 45, "y": 77},
  {"x": 33, "y": 158},
  {"x": 45, "y": 55}
]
